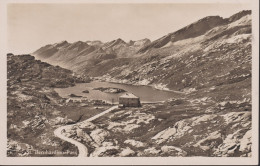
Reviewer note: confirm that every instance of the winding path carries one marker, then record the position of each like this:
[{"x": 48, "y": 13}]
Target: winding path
[{"x": 83, "y": 150}]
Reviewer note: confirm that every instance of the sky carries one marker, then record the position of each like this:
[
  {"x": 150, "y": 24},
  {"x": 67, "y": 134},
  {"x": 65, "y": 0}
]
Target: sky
[{"x": 31, "y": 26}]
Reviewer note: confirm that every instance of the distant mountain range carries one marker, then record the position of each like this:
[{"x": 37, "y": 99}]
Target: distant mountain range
[
  {"x": 189, "y": 58},
  {"x": 88, "y": 53}
]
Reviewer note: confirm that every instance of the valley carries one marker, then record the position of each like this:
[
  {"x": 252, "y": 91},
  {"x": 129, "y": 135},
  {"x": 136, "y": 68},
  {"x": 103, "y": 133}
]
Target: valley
[{"x": 194, "y": 85}]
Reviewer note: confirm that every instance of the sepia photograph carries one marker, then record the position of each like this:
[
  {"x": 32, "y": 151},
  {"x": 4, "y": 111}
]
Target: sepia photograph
[{"x": 130, "y": 80}]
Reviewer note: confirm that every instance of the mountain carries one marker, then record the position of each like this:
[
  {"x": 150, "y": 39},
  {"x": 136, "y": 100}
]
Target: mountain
[
  {"x": 194, "y": 62},
  {"x": 88, "y": 53},
  {"x": 218, "y": 49},
  {"x": 23, "y": 69},
  {"x": 198, "y": 46},
  {"x": 193, "y": 30}
]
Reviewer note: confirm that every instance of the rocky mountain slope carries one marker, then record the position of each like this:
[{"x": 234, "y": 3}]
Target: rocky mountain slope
[
  {"x": 79, "y": 54},
  {"x": 34, "y": 109},
  {"x": 190, "y": 58},
  {"x": 219, "y": 56},
  {"x": 194, "y": 30},
  {"x": 24, "y": 68}
]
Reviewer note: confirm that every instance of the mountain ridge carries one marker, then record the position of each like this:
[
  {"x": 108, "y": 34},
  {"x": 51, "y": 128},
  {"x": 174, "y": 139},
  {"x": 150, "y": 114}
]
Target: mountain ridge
[
  {"x": 192, "y": 30},
  {"x": 134, "y": 62}
]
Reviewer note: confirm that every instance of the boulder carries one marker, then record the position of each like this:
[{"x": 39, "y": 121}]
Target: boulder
[
  {"x": 105, "y": 151},
  {"x": 168, "y": 149},
  {"x": 87, "y": 125},
  {"x": 245, "y": 142},
  {"x": 73, "y": 95},
  {"x": 134, "y": 143},
  {"x": 204, "y": 143},
  {"x": 164, "y": 135},
  {"x": 85, "y": 91},
  {"x": 99, "y": 135},
  {"x": 107, "y": 144},
  {"x": 127, "y": 152},
  {"x": 153, "y": 151}
]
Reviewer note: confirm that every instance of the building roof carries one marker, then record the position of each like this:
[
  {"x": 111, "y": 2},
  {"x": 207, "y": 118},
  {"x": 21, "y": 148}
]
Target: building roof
[{"x": 128, "y": 95}]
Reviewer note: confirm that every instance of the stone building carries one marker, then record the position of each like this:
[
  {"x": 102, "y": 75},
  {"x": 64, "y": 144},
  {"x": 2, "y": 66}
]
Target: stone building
[{"x": 129, "y": 100}]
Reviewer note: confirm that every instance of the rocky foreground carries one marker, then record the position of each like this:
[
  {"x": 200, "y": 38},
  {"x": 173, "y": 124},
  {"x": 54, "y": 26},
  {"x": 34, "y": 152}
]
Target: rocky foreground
[
  {"x": 35, "y": 110},
  {"x": 179, "y": 127}
]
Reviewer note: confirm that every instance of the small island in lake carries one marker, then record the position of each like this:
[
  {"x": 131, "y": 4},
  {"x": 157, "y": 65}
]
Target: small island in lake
[
  {"x": 73, "y": 95},
  {"x": 85, "y": 91},
  {"x": 110, "y": 90}
]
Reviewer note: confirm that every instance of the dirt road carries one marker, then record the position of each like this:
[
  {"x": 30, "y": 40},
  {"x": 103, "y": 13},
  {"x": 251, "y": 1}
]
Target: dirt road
[{"x": 83, "y": 150}]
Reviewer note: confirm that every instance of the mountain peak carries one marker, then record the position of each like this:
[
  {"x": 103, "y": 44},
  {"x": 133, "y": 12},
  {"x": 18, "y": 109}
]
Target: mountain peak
[
  {"x": 238, "y": 15},
  {"x": 142, "y": 42},
  {"x": 193, "y": 30},
  {"x": 60, "y": 44},
  {"x": 94, "y": 42},
  {"x": 131, "y": 42},
  {"x": 64, "y": 41},
  {"x": 113, "y": 43},
  {"x": 119, "y": 40},
  {"x": 146, "y": 40},
  {"x": 209, "y": 18},
  {"x": 209, "y": 21},
  {"x": 78, "y": 42}
]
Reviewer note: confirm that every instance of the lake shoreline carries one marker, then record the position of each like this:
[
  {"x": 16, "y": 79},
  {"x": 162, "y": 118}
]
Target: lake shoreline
[
  {"x": 146, "y": 93},
  {"x": 155, "y": 86}
]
